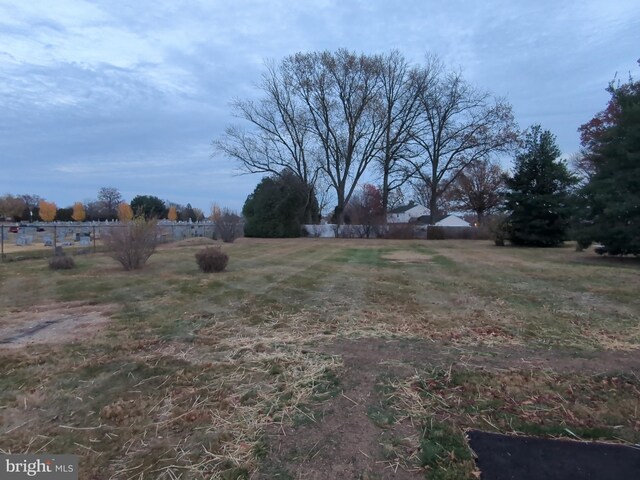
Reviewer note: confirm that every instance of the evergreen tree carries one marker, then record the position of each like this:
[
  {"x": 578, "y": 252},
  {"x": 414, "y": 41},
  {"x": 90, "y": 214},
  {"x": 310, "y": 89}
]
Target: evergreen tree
[
  {"x": 149, "y": 206},
  {"x": 538, "y": 200},
  {"x": 279, "y": 206},
  {"x": 610, "y": 202}
]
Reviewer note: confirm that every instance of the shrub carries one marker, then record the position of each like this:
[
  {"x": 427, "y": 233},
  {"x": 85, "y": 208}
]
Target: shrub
[
  {"x": 400, "y": 231},
  {"x": 212, "y": 259},
  {"x": 499, "y": 228},
  {"x": 228, "y": 225},
  {"x": 132, "y": 243},
  {"x": 61, "y": 262},
  {"x": 582, "y": 244}
]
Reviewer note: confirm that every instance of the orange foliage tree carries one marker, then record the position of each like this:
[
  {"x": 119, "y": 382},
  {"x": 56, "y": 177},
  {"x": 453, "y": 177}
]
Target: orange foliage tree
[
  {"x": 47, "y": 211},
  {"x": 79, "y": 214},
  {"x": 173, "y": 214},
  {"x": 125, "y": 212}
]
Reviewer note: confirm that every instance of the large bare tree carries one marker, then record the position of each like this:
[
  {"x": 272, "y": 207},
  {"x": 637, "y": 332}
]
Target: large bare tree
[
  {"x": 108, "y": 200},
  {"x": 458, "y": 125},
  {"x": 342, "y": 93},
  {"x": 279, "y": 139},
  {"x": 402, "y": 87}
]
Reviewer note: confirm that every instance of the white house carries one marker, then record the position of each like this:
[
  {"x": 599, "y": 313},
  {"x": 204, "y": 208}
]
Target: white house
[
  {"x": 407, "y": 213},
  {"x": 452, "y": 221}
]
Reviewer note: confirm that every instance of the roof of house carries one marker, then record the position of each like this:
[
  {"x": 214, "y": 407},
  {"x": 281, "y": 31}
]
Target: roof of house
[
  {"x": 406, "y": 208},
  {"x": 402, "y": 208},
  {"x": 452, "y": 221}
]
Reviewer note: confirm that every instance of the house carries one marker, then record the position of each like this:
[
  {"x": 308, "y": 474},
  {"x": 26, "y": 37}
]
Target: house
[
  {"x": 452, "y": 221},
  {"x": 407, "y": 213}
]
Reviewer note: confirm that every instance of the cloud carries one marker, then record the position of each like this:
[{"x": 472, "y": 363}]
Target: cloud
[{"x": 131, "y": 94}]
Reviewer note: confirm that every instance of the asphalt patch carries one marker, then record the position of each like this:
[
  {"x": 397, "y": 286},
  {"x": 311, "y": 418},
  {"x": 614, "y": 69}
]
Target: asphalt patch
[{"x": 507, "y": 457}]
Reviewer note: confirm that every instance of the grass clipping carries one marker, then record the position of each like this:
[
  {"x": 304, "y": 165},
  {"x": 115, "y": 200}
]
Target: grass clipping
[{"x": 217, "y": 426}]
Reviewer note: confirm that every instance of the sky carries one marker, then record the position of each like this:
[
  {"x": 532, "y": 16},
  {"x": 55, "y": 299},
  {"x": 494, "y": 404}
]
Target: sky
[{"x": 130, "y": 94}]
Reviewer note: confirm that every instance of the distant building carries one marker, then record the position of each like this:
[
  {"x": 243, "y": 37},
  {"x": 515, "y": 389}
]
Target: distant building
[{"x": 407, "y": 213}]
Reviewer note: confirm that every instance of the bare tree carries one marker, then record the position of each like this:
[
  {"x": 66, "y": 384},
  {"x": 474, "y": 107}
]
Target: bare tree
[
  {"x": 458, "y": 125},
  {"x": 396, "y": 198},
  {"x": 423, "y": 194},
  {"x": 324, "y": 194},
  {"x": 31, "y": 202},
  {"x": 342, "y": 93},
  {"x": 479, "y": 189},
  {"x": 228, "y": 225},
  {"x": 108, "y": 200},
  {"x": 582, "y": 165},
  {"x": 280, "y": 139},
  {"x": 401, "y": 89}
]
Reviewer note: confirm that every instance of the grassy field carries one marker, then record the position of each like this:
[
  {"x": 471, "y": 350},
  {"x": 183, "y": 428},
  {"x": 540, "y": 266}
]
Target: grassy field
[{"x": 315, "y": 358}]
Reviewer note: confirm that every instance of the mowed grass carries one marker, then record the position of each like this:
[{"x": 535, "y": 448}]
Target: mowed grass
[{"x": 193, "y": 367}]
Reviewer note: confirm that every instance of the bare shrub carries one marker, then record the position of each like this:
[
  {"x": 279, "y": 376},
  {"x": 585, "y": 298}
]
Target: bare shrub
[
  {"x": 365, "y": 212},
  {"x": 61, "y": 262},
  {"x": 400, "y": 231},
  {"x": 499, "y": 229},
  {"x": 133, "y": 242},
  {"x": 212, "y": 259},
  {"x": 228, "y": 225},
  {"x": 435, "y": 232}
]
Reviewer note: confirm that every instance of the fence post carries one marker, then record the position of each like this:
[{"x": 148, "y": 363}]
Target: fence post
[
  {"x": 2, "y": 243},
  {"x": 55, "y": 238},
  {"x": 94, "y": 239}
]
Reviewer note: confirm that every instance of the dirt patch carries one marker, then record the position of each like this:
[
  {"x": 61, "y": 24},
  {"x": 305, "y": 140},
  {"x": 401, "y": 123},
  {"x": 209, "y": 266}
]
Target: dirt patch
[
  {"x": 53, "y": 324},
  {"x": 405, "y": 256},
  {"x": 344, "y": 440}
]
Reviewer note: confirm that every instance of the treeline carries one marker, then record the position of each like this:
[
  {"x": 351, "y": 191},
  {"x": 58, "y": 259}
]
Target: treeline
[
  {"x": 327, "y": 121},
  {"x": 109, "y": 205},
  {"x": 334, "y": 119}
]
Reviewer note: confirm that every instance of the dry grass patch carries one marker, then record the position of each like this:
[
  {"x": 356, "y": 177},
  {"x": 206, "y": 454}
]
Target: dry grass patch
[
  {"x": 404, "y": 256},
  {"x": 161, "y": 410},
  {"x": 56, "y": 323}
]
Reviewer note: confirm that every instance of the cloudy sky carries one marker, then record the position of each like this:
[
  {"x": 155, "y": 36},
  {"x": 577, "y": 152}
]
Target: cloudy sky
[{"x": 130, "y": 94}]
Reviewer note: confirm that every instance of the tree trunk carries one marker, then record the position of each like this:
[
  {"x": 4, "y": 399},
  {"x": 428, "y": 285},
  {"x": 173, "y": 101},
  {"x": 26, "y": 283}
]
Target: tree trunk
[
  {"x": 433, "y": 205},
  {"x": 308, "y": 219},
  {"x": 385, "y": 193}
]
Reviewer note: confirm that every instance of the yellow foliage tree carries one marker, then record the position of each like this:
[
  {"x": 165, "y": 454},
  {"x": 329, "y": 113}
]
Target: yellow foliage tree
[
  {"x": 173, "y": 214},
  {"x": 125, "y": 212},
  {"x": 47, "y": 211},
  {"x": 79, "y": 214},
  {"x": 216, "y": 212}
]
